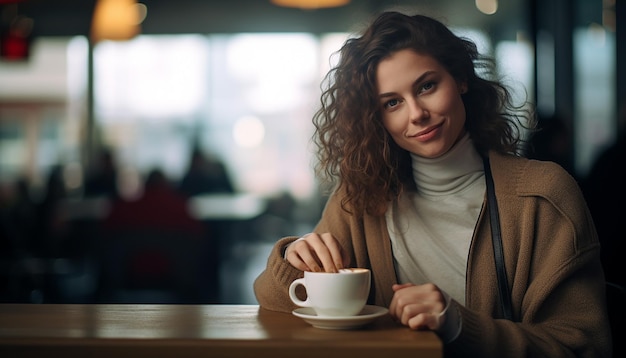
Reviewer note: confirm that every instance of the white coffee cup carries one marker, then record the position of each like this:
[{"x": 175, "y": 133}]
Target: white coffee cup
[{"x": 334, "y": 294}]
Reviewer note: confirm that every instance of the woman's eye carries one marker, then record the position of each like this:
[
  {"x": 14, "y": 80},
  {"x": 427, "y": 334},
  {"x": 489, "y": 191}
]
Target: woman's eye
[
  {"x": 391, "y": 103},
  {"x": 427, "y": 86}
]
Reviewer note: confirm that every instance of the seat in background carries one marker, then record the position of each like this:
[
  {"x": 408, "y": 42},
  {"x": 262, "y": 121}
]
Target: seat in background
[{"x": 156, "y": 266}]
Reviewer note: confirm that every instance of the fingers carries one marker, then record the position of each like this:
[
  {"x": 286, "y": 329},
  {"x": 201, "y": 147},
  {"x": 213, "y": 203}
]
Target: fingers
[
  {"x": 399, "y": 300},
  {"x": 395, "y": 308},
  {"x": 421, "y": 316},
  {"x": 417, "y": 306},
  {"x": 424, "y": 321},
  {"x": 397, "y": 287},
  {"x": 317, "y": 253},
  {"x": 299, "y": 256},
  {"x": 332, "y": 259}
]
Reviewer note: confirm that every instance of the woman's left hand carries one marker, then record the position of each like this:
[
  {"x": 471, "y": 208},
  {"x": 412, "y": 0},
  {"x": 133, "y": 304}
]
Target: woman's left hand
[{"x": 418, "y": 306}]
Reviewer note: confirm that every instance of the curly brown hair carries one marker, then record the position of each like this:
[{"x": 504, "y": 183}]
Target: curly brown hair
[{"x": 354, "y": 147}]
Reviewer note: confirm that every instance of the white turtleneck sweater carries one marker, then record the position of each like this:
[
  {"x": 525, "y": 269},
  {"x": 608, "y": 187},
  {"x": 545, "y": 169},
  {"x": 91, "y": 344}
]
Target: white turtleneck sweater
[{"x": 431, "y": 229}]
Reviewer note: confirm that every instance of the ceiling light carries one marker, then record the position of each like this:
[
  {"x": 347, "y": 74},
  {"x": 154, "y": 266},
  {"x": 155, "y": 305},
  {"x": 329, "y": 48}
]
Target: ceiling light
[
  {"x": 487, "y": 7},
  {"x": 310, "y": 4},
  {"x": 116, "y": 20}
]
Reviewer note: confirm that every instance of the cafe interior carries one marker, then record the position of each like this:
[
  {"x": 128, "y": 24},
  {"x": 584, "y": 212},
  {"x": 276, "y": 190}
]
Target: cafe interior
[{"x": 152, "y": 151}]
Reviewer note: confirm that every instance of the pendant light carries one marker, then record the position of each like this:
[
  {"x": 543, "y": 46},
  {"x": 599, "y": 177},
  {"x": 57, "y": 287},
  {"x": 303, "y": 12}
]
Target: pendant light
[
  {"x": 310, "y": 4},
  {"x": 116, "y": 20}
]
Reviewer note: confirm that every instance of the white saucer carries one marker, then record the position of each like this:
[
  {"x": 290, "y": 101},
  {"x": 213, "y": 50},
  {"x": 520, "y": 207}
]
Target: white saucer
[{"x": 367, "y": 315}]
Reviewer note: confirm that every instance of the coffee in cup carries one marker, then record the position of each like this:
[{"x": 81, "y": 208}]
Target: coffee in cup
[{"x": 334, "y": 294}]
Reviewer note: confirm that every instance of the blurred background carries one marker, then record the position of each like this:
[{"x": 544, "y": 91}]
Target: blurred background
[{"x": 154, "y": 150}]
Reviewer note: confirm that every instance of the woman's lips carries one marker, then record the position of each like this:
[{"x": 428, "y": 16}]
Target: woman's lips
[{"x": 427, "y": 133}]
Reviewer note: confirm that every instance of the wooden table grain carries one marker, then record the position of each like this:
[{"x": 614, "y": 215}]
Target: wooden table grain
[{"x": 225, "y": 331}]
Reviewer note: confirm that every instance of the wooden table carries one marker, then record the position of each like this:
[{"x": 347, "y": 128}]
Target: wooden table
[{"x": 119, "y": 330}]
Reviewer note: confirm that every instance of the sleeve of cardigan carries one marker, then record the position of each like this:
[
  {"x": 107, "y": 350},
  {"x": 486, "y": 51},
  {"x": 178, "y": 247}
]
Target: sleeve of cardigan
[{"x": 271, "y": 287}]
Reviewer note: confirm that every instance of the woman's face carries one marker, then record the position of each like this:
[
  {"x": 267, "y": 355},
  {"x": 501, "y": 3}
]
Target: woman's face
[{"x": 420, "y": 103}]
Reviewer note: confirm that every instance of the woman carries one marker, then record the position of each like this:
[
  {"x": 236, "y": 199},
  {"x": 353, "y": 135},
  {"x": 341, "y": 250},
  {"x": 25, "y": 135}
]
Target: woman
[{"x": 405, "y": 124}]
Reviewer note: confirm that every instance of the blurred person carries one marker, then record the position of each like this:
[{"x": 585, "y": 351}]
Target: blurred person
[
  {"x": 51, "y": 226},
  {"x": 552, "y": 142},
  {"x": 605, "y": 194},
  {"x": 17, "y": 220},
  {"x": 279, "y": 217},
  {"x": 205, "y": 175},
  {"x": 8, "y": 232},
  {"x": 411, "y": 135},
  {"x": 160, "y": 206},
  {"x": 102, "y": 180},
  {"x": 153, "y": 243},
  {"x": 17, "y": 216}
]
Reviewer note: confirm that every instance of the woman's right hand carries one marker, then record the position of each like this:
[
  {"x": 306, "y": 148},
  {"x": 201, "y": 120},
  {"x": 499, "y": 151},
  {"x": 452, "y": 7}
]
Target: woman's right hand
[{"x": 317, "y": 253}]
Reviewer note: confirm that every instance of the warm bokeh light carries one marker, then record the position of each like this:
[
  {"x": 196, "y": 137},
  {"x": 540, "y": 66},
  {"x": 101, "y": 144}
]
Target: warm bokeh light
[
  {"x": 487, "y": 7},
  {"x": 310, "y": 4},
  {"x": 117, "y": 19}
]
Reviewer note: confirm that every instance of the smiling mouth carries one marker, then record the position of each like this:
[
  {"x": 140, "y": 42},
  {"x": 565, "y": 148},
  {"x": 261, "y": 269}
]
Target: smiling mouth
[{"x": 428, "y": 132}]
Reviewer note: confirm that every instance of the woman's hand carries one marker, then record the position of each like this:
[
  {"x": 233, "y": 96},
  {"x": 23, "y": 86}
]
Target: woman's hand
[
  {"x": 418, "y": 306},
  {"x": 317, "y": 253}
]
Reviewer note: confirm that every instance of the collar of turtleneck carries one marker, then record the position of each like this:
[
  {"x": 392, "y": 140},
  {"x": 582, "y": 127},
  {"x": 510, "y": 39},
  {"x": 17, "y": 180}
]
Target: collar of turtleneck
[{"x": 450, "y": 173}]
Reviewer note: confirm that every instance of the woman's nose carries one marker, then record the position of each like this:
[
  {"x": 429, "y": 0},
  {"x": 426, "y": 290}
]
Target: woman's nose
[{"x": 417, "y": 112}]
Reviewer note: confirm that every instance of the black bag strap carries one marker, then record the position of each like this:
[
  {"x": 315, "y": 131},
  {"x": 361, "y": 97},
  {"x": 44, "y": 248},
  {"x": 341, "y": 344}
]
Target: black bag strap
[{"x": 496, "y": 237}]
